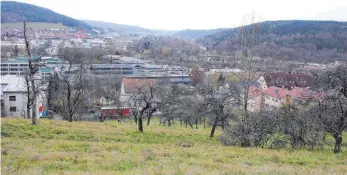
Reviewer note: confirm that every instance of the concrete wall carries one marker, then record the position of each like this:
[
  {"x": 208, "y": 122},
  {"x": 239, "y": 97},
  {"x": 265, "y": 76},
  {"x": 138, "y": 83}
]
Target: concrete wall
[{"x": 20, "y": 104}]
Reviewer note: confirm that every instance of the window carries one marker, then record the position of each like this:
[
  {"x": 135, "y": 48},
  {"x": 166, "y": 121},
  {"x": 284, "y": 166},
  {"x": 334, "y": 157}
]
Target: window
[
  {"x": 12, "y": 98},
  {"x": 13, "y": 109}
]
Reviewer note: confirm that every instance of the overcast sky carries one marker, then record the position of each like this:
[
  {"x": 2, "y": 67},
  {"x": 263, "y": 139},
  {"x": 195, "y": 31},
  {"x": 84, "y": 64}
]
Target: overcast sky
[{"x": 195, "y": 14}]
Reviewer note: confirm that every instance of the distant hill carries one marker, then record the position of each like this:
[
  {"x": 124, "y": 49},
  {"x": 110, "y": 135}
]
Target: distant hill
[
  {"x": 14, "y": 12},
  {"x": 128, "y": 28},
  {"x": 196, "y": 33},
  {"x": 34, "y": 25},
  {"x": 291, "y": 39},
  {"x": 118, "y": 27}
]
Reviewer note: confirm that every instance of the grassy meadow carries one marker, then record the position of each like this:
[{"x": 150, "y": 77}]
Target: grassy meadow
[
  {"x": 34, "y": 25},
  {"x": 60, "y": 147}
]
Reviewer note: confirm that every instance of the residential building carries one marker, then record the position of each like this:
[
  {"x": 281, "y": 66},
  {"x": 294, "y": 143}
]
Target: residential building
[
  {"x": 14, "y": 97},
  {"x": 286, "y": 80},
  {"x": 273, "y": 97}
]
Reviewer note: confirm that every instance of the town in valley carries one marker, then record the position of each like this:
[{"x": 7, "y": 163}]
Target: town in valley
[{"x": 278, "y": 86}]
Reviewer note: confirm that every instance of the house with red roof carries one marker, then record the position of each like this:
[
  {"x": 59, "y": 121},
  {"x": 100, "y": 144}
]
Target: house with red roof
[
  {"x": 273, "y": 97},
  {"x": 255, "y": 99},
  {"x": 286, "y": 80}
]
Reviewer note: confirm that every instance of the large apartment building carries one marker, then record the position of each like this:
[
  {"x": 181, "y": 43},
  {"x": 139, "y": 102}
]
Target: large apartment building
[{"x": 20, "y": 66}]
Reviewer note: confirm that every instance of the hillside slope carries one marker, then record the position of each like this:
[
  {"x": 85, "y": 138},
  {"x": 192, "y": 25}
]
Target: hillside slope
[
  {"x": 12, "y": 12},
  {"x": 295, "y": 39},
  {"x": 196, "y": 33},
  {"x": 118, "y": 27},
  {"x": 122, "y": 28},
  {"x": 62, "y": 147}
]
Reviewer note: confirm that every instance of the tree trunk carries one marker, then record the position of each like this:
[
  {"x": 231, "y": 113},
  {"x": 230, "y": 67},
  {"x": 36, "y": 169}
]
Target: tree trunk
[
  {"x": 70, "y": 117},
  {"x": 33, "y": 117},
  {"x": 204, "y": 122},
  {"x": 33, "y": 111},
  {"x": 213, "y": 129},
  {"x": 28, "y": 111},
  {"x": 338, "y": 141},
  {"x": 215, "y": 122},
  {"x": 148, "y": 120},
  {"x": 169, "y": 122},
  {"x": 140, "y": 124},
  {"x": 135, "y": 119},
  {"x": 191, "y": 125}
]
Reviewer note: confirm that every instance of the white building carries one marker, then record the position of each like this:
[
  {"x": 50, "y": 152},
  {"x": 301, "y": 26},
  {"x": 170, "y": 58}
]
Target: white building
[
  {"x": 20, "y": 66},
  {"x": 14, "y": 97}
]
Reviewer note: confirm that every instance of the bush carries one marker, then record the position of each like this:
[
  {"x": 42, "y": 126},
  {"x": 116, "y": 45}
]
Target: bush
[{"x": 275, "y": 129}]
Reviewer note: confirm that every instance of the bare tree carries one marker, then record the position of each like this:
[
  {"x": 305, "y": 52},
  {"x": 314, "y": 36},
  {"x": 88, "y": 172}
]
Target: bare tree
[
  {"x": 246, "y": 59},
  {"x": 144, "y": 99},
  {"x": 73, "y": 85},
  {"x": 108, "y": 87},
  {"x": 73, "y": 89},
  {"x": 331, "y": 107},
  {"x": 170, "y": 102},
  {"x": 191, "y": 111},
  {"x": 31, "y": 79},
  {"x": 217, "y": 103}
]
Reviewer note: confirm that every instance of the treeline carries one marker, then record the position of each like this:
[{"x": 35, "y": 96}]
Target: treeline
[
  {"x": 196, "y": 33},
  {"x": 18, "y": 12},
  {"x": 166, "y": 50},
  {"x": 315, "y": 41}
]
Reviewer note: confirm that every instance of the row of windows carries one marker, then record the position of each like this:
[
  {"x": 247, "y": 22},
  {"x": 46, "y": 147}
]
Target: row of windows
[
  {"x": 14, "y": 69},
  {"x": 112, "y": 68},
  {"x": 14, "y": 65},
  {"x": 11, "y": 73}
]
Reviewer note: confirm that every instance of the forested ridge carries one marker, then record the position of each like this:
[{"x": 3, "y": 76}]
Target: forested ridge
[
  {"x": 18, "y": 12},
  {"x": 291, "y": 40}
]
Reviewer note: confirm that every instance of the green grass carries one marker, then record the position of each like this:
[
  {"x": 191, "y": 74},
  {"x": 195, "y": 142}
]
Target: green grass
[
  {"x": 34, "y": 25},
  {"x": 60, "y": 147}
]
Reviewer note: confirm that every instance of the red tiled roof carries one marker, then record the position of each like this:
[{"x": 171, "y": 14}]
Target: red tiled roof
[
  {"x": 289, "y": 80},
  {"x": 131, "y": 85},
  {"x": 254, "y": 91},
  {"x": 279, "y": 93},
  {"x": 275, "y": 92}
]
